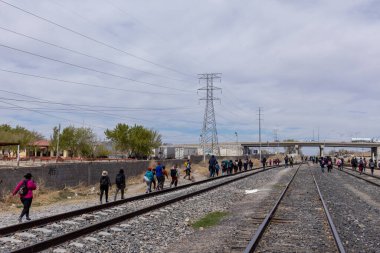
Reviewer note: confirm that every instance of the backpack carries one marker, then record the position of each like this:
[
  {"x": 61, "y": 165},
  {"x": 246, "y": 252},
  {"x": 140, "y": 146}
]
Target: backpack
[
  {"x": 119, "y": 179},
  {"x": 104, "y": 181},
  {"x": 173, "y": 172},
  {"x": 23, "y": 189}
]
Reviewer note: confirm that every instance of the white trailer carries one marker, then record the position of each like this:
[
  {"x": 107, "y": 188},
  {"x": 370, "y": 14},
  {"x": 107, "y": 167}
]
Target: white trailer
[
  {"x": 169, "y": 153},
  {"x": 184, "y": 152}
]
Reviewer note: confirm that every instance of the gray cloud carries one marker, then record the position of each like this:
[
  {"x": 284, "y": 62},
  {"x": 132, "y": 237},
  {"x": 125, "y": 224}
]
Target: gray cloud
[{"x": 309, "y": 64}]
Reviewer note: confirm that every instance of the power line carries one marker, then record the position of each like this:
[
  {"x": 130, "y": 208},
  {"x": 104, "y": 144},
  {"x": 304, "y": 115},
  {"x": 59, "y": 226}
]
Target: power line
[
  {"x": 81, "y": 105},
  {"x": 87, "y": 84},
  {"x": 87, "y": 55},
  {"x": 134, "y": 18},
  {"x": 236, "y": 105},
  {"x": 93, "y": 39},
  {"x": 95, "y": 111},
  {"x": 46, "y": 114},
  {"x": 67, "y": 110},
  {"x": 90, "y": 69},
  {"x": 73, "y": 106}
]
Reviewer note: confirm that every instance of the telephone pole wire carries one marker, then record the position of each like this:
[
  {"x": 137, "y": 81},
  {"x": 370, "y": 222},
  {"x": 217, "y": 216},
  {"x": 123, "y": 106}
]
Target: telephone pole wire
[{"x": 209, "y": 135}]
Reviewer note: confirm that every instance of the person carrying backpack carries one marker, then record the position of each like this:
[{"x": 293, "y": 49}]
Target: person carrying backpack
[
  {"x": 148, "y": 179},
  {"x": 264, "y": 162},
  {"x": 250, "y": 163},
  {"x": 291, "y": 161},
  {"x": 25, "y": 190},
  {"x": 329, "y": 165},
  {"x": 217, "y": 168},
  {"x": 361, "y": 165},
  {"x": 160, "y": 176},
  {"x": 286, "y": 161},
  {"x": 230, "y": 167},
  {"x": 105, "y": 184},
  {"x": 371, "y": 165},
  {"x": 240, "y": 164},
  {"x": 120, "y": 183},
  {"x": 187, "y": 169},
  {"x": 235, "y": 166},
  {"x": 245, "y": 164},
  {"x": 224, "y": 167},
  {"x": 174, "y": 173},
  {"x": 211, "y": 166}
]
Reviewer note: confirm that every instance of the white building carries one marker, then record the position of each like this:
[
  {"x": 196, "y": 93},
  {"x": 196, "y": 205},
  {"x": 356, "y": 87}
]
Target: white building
[{"x": 185, "y": 152}]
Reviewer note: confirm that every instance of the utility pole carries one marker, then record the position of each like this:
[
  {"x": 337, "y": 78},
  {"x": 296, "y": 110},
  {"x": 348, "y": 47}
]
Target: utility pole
[
  {"x": 260, "y": 132},
  {"x": 209, "y": 136},
  {"x": 237, "y": 144},
  {"x": 318, "y": 134},
  {"x": 59, "y": 133},
  {"x": 275, "y": 135}
]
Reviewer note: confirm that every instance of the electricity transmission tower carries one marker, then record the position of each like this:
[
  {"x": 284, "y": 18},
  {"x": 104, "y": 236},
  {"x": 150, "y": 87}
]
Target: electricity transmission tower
[{"x": 209, "y": 135}]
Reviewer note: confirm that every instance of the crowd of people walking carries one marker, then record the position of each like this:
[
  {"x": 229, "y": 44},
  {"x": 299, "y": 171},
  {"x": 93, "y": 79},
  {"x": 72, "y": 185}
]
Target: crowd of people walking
[{"x": 155, "y": 177}]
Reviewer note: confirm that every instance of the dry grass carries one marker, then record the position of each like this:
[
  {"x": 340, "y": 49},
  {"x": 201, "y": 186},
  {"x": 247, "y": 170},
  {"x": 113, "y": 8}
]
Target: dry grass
[
  {"x": 201, "y": 169},
  {"x": 44, "y": 196}
]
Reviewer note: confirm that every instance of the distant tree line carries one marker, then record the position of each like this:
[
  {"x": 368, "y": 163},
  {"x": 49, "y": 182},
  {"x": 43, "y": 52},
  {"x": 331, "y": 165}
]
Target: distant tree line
[
  {"x": 135, "y": 141},
  {"x": 20, "y": 135}
]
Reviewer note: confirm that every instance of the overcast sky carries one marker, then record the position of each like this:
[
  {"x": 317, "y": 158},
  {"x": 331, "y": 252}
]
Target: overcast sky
[{"x": 309, "y": 64}]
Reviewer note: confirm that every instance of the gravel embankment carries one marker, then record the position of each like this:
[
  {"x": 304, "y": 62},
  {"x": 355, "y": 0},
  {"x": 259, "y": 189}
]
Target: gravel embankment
[
  {"x": 355, "y": 208},
  {"x": 61, "y": 227},
  {"x": 168, "y": 230}
]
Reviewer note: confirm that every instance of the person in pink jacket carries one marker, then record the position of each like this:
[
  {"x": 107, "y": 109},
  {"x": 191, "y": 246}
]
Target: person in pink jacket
[{"x": 25, "y": 189}]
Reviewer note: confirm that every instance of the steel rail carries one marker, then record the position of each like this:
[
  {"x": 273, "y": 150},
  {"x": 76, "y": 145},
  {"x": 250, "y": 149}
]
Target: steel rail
[
  {"x": 46, "y": 220},
  {"x": 362, "y": 178},
  {"x": 365, "y": 173},
  {"x": 331, "y": 223},
  {"x": 40, "y": 246},
  {"x": 260, "y": 231}
]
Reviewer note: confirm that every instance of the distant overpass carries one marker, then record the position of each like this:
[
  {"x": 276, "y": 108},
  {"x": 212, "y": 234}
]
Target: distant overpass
[{"x": 374, "y": 146}]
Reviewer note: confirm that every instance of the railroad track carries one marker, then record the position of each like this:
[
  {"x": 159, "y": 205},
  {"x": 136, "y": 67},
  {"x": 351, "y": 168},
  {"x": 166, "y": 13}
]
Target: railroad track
[
  {"x": 374, "y": 180},
  {"x": 298, "y": 222},
  {"x": 65, "y": 227},
  {"x": 46, "y": 220}
]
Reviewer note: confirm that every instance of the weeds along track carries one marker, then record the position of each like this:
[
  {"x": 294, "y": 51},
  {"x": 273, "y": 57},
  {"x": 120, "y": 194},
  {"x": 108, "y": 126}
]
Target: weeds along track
[
  {"x": 51, "y": 231},
  {"x": 298, "y": 222}
]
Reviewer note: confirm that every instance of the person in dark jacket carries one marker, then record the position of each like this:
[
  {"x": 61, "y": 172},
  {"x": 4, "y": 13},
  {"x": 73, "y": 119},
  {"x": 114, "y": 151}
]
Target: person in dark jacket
[
  {"x": 25, "y": 189},
  {"x": 240, "y": 164},
  {"x": 120, "y": 183},
  {"x": 264, "y": 162},
  {"x": 211, "y": 165},
  {"x": 105, "y": 184}
]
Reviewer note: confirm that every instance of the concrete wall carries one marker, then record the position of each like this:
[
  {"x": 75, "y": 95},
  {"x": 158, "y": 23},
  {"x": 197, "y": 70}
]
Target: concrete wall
[{"x": 57, "y": 176}]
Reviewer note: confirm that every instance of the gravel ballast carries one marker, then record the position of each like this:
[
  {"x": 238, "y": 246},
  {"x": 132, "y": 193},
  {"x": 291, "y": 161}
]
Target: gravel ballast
[{"x": 355, "y": 209}]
